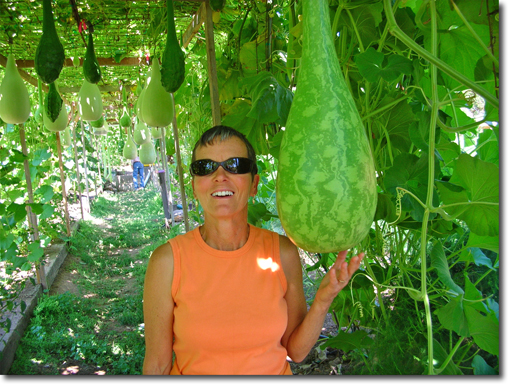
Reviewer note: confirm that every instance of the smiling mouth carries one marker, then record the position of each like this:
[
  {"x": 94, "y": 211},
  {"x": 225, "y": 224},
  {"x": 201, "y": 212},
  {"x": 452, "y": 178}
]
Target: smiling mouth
[{"x": 224, "y": 193}]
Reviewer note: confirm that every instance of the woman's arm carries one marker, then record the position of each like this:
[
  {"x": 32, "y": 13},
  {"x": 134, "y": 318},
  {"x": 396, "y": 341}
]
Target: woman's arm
[
  {"x": 158, "y": 312},
  {"x": 304, "y": 327}
]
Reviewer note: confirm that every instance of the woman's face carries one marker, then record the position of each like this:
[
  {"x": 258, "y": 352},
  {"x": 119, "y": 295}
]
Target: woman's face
[{"x": 240, "y": 186}]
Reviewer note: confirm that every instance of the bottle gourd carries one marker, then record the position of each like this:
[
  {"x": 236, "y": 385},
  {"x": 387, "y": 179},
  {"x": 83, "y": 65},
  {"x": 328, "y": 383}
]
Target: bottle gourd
[
  {"x": 173, "y": 58},
  {"x": 91, "y": 67},
  {"x": 14, "y": 97},
  {"x": 326, "y": 184},
  {"x": 49, "y": 58}
]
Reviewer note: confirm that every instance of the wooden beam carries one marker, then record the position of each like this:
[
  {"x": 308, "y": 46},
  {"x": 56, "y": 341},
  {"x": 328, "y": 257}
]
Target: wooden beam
[
  {"x": 212, "y": 69},
  {"x": 29, "y": 63},
  {"x": 193, "y": 28}
]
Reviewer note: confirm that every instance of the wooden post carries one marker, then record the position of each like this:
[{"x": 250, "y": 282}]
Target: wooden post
[
  {"x": 212, "y": 70},
  {"x": 180, "y": 169},
  {"x": 63, "y": 183},
  {"x": 166, "y": 173},
  {"x": 32, "y": 218},
  {"x": 85, "y": 167},
  {"x": 77, "y": 168}
]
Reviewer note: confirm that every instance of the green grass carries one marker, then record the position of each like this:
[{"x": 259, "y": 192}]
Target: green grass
[{"x": 101, "y": 328}]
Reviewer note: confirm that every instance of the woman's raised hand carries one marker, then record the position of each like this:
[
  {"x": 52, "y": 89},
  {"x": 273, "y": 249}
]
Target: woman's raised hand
[{"x": 338, "y": 277}]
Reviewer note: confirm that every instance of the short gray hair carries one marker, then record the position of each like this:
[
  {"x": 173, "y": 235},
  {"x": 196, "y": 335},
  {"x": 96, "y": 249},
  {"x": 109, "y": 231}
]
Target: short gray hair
[{"x": 223, "y": 133}]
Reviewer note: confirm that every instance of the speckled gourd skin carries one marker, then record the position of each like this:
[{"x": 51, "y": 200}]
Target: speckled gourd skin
[{"x": 326, "y": 183}]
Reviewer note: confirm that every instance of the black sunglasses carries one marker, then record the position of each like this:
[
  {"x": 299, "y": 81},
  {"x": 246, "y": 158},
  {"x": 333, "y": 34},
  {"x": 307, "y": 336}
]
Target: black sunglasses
[{"x": 236, "y": 165}]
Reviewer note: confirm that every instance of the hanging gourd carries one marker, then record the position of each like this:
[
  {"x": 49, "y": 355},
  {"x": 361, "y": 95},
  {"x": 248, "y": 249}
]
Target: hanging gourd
[
  {"x": 173, "y": 58},
  {"x": 125, "y": 120},
  {"x": 14, "y": 97},
  {"x": 49, "y": 58},
  {"x": 147, "y": 153},
  {"x": 326, "y": 182},
  {"x": 91, "y": 67},
  {"x": 130, "y": 149},
  {"x": 102, "y": 130},
  {"x": 60, "y": 123},
  {"x": 66, "y": 138},
  {"x": 98, "y": 123},
  {"x": 170, "y": 146},
  {"x": 90, "y": 106},
  {"x": 55, "y": 116},
  {"x": 141, "y": 133},
  {"x": 53, "y": 103},
  {"x": 157, "y": 104},
  {"x": 217, "y": 5},
  {"x": 38, "y": 116},
  {"x": 156, "y": 132}
]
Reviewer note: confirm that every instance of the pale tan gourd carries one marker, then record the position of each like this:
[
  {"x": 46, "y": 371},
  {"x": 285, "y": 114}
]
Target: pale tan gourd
[
  {"x": 14, "y": 97},
  {"x": 90, "y": 105}
]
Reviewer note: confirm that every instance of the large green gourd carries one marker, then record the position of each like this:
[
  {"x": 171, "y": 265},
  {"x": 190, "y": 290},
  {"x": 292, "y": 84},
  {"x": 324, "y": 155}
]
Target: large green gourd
[
  {"x": 90, "y": 105},
  {"x": 326, "y": 183},
  {"x": 157, "y": 104},
  {"x": 91, "y": 67},
  {"x": 49, "y": 58},
  {"x": 173, "y": 58},
  {"x": 14, "y": 97}
]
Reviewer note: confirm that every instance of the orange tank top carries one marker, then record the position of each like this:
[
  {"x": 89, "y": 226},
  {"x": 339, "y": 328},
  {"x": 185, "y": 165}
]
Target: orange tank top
[{"x": 230, "y": 312}]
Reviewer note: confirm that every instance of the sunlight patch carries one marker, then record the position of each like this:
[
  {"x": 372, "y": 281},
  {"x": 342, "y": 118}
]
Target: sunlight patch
[{"x": 267, "y": 264}]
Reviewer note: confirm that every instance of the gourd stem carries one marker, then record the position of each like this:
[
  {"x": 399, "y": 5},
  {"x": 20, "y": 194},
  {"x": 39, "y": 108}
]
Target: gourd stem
[
  {"x": 423, "y": 53},
  {"x": 430, "y": 183},
  {"x": 48, "y": 23}
]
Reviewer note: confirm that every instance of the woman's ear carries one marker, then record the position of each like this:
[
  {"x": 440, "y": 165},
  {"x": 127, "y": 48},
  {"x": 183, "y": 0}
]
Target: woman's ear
[{"x": 254, "y": 185}]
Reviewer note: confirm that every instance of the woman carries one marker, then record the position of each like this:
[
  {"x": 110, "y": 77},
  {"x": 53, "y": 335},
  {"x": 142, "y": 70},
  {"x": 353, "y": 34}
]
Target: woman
[{"x": 227, "y": 297}]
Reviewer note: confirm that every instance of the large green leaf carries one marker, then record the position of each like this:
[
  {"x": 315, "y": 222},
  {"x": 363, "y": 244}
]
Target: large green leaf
[
  {"x": 485, "y": 242},
  {"x": 370, "y": 65},
  {"x": 452, "y": 316},
  {"x": 484, "y": 330},
  {"x": 481, "y": 367},
  {"x": 411, "y": 173},
  {"x": 478, "y": 203},
  {"x": 439, "y": 262},
  {"x": 346, "y": 341}
]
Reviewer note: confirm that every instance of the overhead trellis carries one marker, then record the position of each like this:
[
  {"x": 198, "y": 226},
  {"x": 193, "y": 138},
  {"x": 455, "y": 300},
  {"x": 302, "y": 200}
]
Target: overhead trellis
[{"x": 126, "y": 35}]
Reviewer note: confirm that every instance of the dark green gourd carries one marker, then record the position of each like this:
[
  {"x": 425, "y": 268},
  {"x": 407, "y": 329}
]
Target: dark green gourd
[
  {"x": 173, "y": 58},
  {"x": 326, "y": 189},
  {"x": 217, "y": 5},
  {"x": 91, "y": 67},
  {"x": 53, "y": 103},
  {"x": 49, "y": 57}
]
